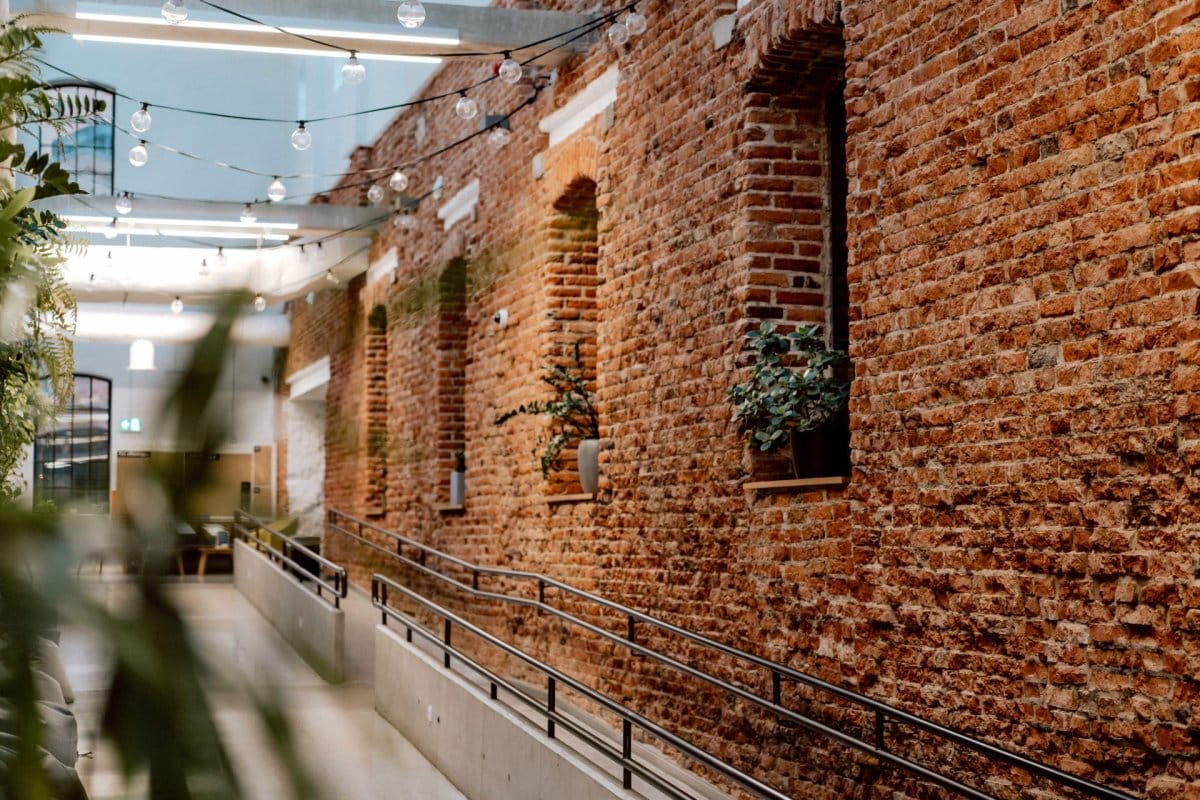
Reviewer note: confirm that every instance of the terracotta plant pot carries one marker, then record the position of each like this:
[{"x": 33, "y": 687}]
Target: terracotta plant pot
[{"x": 588, "y": 458}]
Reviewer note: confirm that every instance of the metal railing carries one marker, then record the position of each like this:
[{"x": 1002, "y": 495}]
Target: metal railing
[
  {"x": 882, "y": 714},
  {"x": 327, "y": 579}
]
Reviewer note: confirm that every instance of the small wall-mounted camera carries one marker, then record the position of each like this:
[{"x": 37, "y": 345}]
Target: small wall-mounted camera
[{"x": 501, "y": 318}]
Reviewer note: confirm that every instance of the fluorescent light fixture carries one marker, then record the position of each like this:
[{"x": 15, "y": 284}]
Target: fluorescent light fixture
[
  {"x": 253, "y": 48},
  {"x": 124, "y": 223},
  {"x": 448, "y": 41}
]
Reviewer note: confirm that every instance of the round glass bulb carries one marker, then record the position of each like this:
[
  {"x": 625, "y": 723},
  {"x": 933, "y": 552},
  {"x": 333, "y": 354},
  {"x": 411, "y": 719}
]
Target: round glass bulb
[
  {"x": 301, "y": 138},
  {"x": 174, "y": 11},
  {"x": 466, "y": 107},
  {"x": 276, "y": 191},
  {"x": 499, "y": 137},
  {"x": 124, "y": 204},
  {"x": 398, "y": 181},
  {"x": 248, "y": 215},
  {"x": 140, "y": 120},
  {"x": 405, "y": 221},
  {"x": 635, "y": 23},
  {"x": 139, "y": 155},
  {"x": 618, "y": 34},
  {"x": 204, "y": 268},
  {"x": 219, "y": 259},
  {"x": 353, "y": 72},
  {"x": 411, "y": 13},
  {"x": 510, "y": 70},
  {"x": 176, "y": 306},
  {"x": 260, "y": 303},
  {"x": 110, "y": 230},
  {"x": 331, "y": 278},
  {"x": 375, "y": 194}
]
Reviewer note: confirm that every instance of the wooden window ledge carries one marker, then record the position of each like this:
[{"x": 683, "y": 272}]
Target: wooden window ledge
[
  {"x": 446, "y": 508},
  {"x": 798, "y": 484},
  {"x": 562, "y": 499}
]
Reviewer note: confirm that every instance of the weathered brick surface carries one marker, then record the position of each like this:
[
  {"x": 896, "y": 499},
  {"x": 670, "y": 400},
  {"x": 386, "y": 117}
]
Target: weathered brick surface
[{"x": 1016, "y": 554}]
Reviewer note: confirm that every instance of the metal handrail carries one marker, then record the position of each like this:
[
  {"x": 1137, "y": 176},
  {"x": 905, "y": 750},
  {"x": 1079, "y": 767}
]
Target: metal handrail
[
  {"x": 245, "y": 527},
  {"x": 380, "y": 586},
  {"x": 883, "y": 712}
]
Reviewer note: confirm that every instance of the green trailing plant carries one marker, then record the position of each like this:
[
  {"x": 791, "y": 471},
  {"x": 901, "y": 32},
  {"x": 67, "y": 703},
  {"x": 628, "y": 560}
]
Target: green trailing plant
[
  {"x": 37, "y": 310},
  {"x": 573, "y": 417},
  {"x": 793, "y": 385}
]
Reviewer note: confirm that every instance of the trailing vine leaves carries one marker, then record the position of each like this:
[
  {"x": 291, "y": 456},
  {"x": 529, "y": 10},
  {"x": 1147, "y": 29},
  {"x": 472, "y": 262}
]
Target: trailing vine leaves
[
  {"x": 779, "y": 397},
  {"x": 570, "y": 409},
  {"x": 37, "y": 310}
]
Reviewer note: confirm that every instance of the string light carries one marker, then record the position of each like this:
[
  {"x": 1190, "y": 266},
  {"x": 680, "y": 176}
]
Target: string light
[
  {"x": 510, "y": 69},
  {"x": 219, "y": 259},
  {"x": 110, "y": 230},
  {"x": 141, "y": 120},
  {"x": 177, "y": 306},
  {"x": 353, "y": 72},
  {"x": 331, "y": 278},
  {"x": 618, "y": 34},
  {"x": 204, "y": 268},
  {"x": 375, "y": 194},
  {"x": 398, "y": 181},
  {"x": 411, "y": 13},
  {"x": 124, "y": 204},
  {"x": 174, "y": 11},
  {"x": 301, "y": 138},
  {"x": 248, "y": 215},
  {"x": 635, "y": 23},
  {"x": 499, "y": 136},
  {"x": 466, "y": 107},
  {"x": 405, "y": 221},
  {"x": 138, "y": 154},
  {"x": 276, "y": 192},
  {"x": 260, "y": 303}
]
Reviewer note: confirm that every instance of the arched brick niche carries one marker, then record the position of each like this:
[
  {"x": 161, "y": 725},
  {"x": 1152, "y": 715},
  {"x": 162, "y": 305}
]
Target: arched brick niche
[
  {"x": 375, "y": 380},
  {"x": 450, "y": 367},
  {"x": 793, "y": 202},
  {"x": 571, "y": 282}
]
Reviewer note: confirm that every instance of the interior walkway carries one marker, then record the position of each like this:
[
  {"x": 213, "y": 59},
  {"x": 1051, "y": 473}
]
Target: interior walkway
[{"x": 352, "y": 752}]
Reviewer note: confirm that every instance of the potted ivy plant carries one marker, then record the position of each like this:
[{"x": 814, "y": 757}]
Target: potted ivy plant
[
  {"x": 458, "y": 478},
  {"x": 795, "y": 395},
  {"x": 574, "y": 419}
]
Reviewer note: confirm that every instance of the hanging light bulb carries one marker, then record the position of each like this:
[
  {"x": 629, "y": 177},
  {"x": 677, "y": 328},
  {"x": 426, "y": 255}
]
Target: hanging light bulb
[
  {"x": 110, "y": 230},
  {"x": 219, "y": 260},
  {"x": 405, "y": 221},
  {"x": 411, "y": 13},
  {"x": 140, "y": 120},
  {"x": 260, "y": 303},
  {"x": 177, "y": 306},
  {"x": 301, "y": 138},
  {"x": 375, "y": 194},
  {"x": 174, "y": 11},
  {"x": 138, "y": 154},
  {"x": 510, "y": 70},
  {"x": 248, "y": 214},
  {"x": 635, "y": 23},
  {"x": 331, "y": 278},
  {"x": 618, "y": 34},
  {"x": 353, "y": 72},
  {"x": 303, "y": 253},
  {"x": 398, "y": 181},
  {"x": 276, "y": 191},
  {"x": 499, "y": 136},
  {"x": 124, "y": 204},
  {"x": 466, "y": 107},
  {"x": 204, "y": 268}
]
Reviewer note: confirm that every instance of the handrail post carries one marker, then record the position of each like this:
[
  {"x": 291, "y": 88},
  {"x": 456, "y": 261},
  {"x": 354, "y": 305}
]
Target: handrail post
[
  {"x": 383, "y": 589},
  {"x": 626, "y": 753},
  {"x": 541, "y": 592},
  {"x": 446, "y": 639},
  {"x": 879, "y": 730},
  {"x": 776, "y": 688},
  {"x": 550, "y": 690},
  {"x": 629, "y": 623},
  {"x": 475, "y": 579}
]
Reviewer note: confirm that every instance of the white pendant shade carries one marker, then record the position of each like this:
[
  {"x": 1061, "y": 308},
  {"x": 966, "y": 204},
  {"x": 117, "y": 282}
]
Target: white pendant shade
[{"x": 141, "y": 355}]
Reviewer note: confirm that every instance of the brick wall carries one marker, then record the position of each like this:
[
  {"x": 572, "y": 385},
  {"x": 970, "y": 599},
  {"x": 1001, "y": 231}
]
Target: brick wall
[{"x": 1016, "y": 552}]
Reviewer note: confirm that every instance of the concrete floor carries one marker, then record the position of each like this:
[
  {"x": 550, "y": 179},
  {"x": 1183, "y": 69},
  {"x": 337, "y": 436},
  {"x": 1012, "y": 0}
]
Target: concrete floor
[{"x": 352, "y": 753}]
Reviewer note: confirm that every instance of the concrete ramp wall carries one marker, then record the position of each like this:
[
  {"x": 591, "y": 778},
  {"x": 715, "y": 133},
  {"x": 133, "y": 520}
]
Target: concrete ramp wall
[{"x": 308, "y": 623}]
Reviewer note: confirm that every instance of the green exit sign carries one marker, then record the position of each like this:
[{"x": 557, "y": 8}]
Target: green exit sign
[{"x": 131, "y": 425}]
